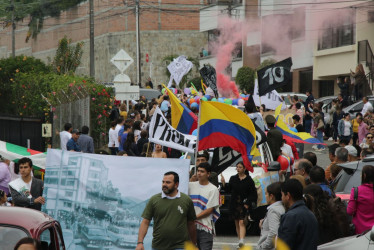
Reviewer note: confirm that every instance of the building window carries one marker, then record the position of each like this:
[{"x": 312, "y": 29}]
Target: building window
[
  {"x": 212, "y": 39},
  {"x": 52, "y": 181},
  {"x": 326, "y": 88},
  {"x": 370, "y": 16},
  {"x": 67, "y": 204},
  {"x": 333, "y": 36},
  {"x": 73, "y": 161},
  {"x": 69, "y": 193},
  {"x": 298, "y": 23},
  {"x": 305, "y": 81}
]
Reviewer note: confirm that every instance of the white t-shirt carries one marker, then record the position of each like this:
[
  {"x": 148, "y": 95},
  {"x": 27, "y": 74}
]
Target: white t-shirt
[
  {"x": 367, "y": 107},
  {"x": 205, "y": 197},
  {"x": 347, "y": 128},
  {"x": 113, "y": 138},
  {"x": 64, "y": 138}
]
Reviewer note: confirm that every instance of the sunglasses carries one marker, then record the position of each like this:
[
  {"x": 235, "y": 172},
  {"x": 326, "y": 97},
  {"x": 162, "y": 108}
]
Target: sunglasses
[{"x": 369, "y": 137}]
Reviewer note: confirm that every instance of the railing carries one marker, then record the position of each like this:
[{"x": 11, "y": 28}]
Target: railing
[{"x": 365, "y": 54}]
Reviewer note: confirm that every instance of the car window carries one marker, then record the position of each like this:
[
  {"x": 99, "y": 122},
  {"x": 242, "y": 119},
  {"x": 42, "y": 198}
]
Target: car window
[
  {"x": 47, "y": 239},
  {"x": 359, "y": 106},
  {"x": 9, "y": 236}
]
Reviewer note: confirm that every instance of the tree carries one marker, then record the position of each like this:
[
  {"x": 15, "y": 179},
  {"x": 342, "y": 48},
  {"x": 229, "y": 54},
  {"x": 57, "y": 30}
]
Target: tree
[
  {"x": 245, "y": 78},
  {"x": 168, "y": 59},
  {"x": 37, "y": 10},
  {"x": 68, "y": 57},
  {"x": 266, "y": 63}
]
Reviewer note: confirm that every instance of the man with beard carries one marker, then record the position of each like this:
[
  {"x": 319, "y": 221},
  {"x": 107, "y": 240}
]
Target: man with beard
[
  {"x": 298, "y": 226},
  {"x": 173, "y": 215}
]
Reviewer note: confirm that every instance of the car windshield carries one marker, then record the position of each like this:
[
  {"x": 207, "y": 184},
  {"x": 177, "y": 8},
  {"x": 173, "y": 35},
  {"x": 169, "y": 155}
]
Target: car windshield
[
  {"x": 9, "y": 236},
  {"x": 96, "y": 232}
]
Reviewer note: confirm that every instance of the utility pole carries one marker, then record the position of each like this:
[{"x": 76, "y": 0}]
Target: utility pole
[
  {"x": 229, "y": 8},
  {"x": 92, "y": 40},
  {"x": 138, "y": 70},
  {"x": 13, "y": 32}
]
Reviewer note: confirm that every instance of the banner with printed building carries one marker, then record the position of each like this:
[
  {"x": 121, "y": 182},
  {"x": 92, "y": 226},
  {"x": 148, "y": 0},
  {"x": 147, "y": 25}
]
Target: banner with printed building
[
  {"x": 161, "y": 132},
  {"x": 99, "y": 199}
]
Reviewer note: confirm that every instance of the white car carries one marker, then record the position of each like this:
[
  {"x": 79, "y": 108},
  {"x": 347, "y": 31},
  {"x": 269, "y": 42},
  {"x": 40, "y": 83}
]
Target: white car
[{"x": 362, "y": 241}]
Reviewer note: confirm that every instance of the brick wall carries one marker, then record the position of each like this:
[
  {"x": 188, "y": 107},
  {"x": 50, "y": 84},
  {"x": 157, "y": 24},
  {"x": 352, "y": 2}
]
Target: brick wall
[{"x": 167, "y": 27}]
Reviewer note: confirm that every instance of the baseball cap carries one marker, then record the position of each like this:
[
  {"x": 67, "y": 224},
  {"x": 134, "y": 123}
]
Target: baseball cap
[
  {"x": 351, "y": 150},
  {"x": 76, "y": 131},
  {"x": 203, "y": 153}
]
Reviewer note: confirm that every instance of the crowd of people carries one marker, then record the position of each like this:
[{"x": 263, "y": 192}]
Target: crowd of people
[{"x": 303, "y": 211}]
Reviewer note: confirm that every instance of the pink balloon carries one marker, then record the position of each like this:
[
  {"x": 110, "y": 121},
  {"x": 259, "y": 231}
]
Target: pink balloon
[{"x": 240, "y": 102}]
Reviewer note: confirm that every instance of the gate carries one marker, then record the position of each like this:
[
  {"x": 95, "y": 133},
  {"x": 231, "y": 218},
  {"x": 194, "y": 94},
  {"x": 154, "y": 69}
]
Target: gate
[{"x": 18, "y": 130}]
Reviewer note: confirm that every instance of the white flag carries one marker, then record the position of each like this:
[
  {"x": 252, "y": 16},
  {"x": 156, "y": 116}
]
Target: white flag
[
  {"x": 271, "y": 100},
  {"x": 161, "y": 132},
  {"x": 178, "y": 68}
]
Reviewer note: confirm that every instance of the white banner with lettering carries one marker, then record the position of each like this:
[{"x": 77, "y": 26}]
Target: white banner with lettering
[
  {"x": 178, "y": 68},
  {"x": 271, "y": 100},
  {"x": 161, "y": 132},
  {"x": 99, "y": 199}
]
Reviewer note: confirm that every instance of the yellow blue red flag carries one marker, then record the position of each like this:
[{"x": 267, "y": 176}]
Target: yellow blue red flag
[
  {"x": 222, "y": 125},
  {"x": 182, "y": 118},
  {"x": 298, "y": 137}
]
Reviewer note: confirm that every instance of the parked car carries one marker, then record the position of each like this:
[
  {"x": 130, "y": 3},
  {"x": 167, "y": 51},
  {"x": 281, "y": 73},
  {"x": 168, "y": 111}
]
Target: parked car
[
  {"x": 17, "y": 223},
  {"x": 357, "y": 107},
  {"x": 327, "y": 104},
  {"x": 95, "y": 237},
  {"x": 362, "y": 241},
  {"x": 299, "y": 95},
  {"x": 149, "y": 93}
]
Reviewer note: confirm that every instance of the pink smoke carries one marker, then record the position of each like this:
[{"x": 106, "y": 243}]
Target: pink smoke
[{"x": 231, "y": 33}]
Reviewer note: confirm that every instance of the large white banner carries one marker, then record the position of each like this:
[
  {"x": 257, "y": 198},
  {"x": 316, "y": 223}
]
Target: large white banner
[
  {"x": 271, "y": 100},
  {"x": 99, "y": 199},
  {"x": 178, "y": 68},
  {"x": 161, "y": 132}
]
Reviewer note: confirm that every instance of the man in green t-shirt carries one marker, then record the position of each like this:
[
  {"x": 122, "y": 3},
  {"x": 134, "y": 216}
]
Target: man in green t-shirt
[{"x": 173, "y": 214}]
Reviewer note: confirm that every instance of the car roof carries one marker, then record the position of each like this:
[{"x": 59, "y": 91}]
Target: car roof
[{"x": 27, "y": 218}]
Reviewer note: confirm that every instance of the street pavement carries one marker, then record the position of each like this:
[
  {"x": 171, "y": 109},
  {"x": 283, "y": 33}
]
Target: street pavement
[{"x": 229, "y": 240}]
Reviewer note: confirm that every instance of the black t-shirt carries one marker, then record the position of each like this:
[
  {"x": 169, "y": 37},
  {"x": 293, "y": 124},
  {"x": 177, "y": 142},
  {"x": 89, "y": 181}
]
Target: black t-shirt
[{"x": 300, "y": 128}]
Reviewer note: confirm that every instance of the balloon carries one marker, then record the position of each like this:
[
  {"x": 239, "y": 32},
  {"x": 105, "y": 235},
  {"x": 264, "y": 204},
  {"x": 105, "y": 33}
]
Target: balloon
[
  {"x": 187, "y": 91},
  {"x": 163, "y": 91},
  {"x": 207, "y": 97},
  {"x": 191, "y": 101},
  {"x": 284, "y": 161},
  {"x": 195, "y": 105},
  {"x": 240, "y": 102},
  {"x": 175, "y": 91},
  {"x": 235, "y": 102},
  {"x": 197, "y": 98},
  {"x": 194, "y": 132},
  {"x": 204, "y": 99},
  {"x": 214, "y": 99},
  {"x": 221, "y": 99},
  {"x": 228, "y": 101},
  {"x": 197, "y": 101},
  {"x": 242, "y": 95}
]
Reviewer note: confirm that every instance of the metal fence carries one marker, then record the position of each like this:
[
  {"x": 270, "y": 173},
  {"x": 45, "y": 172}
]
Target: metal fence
[{"x": 76, "y": 112}]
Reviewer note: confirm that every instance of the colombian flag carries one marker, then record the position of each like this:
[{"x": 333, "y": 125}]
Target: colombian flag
[
  {"x": 182, "y": 118},
  {"x": 222, "y": 125},
  {"x": 301, "y": 137}
]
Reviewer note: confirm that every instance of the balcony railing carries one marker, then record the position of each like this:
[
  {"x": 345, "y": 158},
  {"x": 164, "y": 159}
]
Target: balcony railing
[
  {"x": 365, "y": 54},
  {"x": 224, "y": 2}
]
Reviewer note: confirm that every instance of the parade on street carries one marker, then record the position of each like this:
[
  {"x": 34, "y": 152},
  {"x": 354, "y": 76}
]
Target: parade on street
[{"x": 170, "y": 125}]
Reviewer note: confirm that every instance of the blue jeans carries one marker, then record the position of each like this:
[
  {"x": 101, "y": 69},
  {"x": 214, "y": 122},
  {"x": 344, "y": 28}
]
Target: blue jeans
[
  {"x": 320, "y": 138},
  {"x": 308, "y": 125}
]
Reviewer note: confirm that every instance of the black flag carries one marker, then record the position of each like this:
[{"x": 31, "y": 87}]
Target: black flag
[
  {"x": 208, "y": 73},
  {"x": 223, "y": 158},
  {"x": 260, "y": 135},
  {"x": 274, "y": 76}
]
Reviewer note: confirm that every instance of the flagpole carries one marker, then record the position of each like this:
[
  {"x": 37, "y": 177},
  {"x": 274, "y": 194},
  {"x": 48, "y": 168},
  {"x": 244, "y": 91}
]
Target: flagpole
[
  {"x": 198, "y": 132},
  {"x": 259, "y": 97}
]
